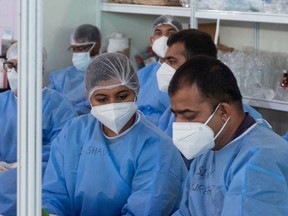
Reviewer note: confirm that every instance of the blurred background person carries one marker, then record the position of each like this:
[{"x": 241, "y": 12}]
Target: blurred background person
[
  {"x": 56, "y": 110},
  {"x": 85, "y": 44},
  {"x": 151, "y": 101}
]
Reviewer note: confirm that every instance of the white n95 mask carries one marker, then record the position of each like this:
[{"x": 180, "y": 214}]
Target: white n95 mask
[
  {"x": 81, "y": 60},
  {"x": 193, "y": 138},
  {"x": 114, "y": 115},
  {"x": 159, "y": 46},
  {"x": 12, "y": 76},
  {"x": 164, "y": 76}
]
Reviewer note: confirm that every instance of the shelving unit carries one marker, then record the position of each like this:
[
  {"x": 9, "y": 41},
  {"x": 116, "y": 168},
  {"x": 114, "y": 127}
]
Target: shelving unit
[
  {"x": 145, "y": 9},
  {"x": 197, "y": 15},
  {"x": 242, "y": 16},
  {"x": 237, "y": 16}
]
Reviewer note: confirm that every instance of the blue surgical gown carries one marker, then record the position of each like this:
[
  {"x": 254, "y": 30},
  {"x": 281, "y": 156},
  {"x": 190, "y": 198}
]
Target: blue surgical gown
[
  {"x": 249, "y": 176},
  {"x": 286, "y": 136},
  {"x": 70, "y": 82},
  {"x": 56, "y": 111},
  {"x": 167, "y": 119},
  {"x": 140, "y": 172},
  {"x": 151, "y": 101}
]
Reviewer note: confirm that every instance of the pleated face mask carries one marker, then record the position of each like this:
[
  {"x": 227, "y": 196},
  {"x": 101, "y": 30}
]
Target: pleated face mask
[
  {"x": 12, "y": 76},
  {"x": 160, "y": 46},
  {"x": 194, "y": 138},
  {"x": 114, "y": 115},
  {"x": 164, "y": 76}
]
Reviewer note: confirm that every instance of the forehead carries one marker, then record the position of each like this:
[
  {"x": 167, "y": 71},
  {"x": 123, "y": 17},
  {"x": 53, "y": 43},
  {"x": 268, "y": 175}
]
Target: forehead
[
  {"x": 164, "y": 27},
  {"x": 176, "y": 50},
  {"x": 112, "y": 91},
  {"x": 188, "y": 97},
  {"x": 13, "y": 61}
]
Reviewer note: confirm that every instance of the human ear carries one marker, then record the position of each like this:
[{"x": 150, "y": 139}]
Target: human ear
[
  {"x": 151, "y": 40},
  {"x": 225, "y": 110}
]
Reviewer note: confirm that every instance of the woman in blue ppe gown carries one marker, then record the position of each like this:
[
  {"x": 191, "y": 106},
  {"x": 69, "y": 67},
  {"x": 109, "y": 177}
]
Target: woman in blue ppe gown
[
  {"x": 85, "y": 44},
  {"x": 113, "y": 161},
  {"x": 56, "y": 111},
  {"x": 239, "y": 167}
]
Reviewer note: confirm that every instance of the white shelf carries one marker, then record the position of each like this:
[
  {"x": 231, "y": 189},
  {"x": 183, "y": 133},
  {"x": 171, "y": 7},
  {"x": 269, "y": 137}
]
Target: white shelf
[
  {"x": 145, "y": 9},
  {"x": 255, "y": 17},
  {"x": 242, "y": 16},
  {"x": 268, "y": 104}
]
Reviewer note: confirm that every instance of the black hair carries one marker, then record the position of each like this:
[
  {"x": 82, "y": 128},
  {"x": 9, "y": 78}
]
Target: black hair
[
  {"x": 196, "y": 43},
  {"x": 87, "y": 33},
  {"x": 214, "y": 80}
]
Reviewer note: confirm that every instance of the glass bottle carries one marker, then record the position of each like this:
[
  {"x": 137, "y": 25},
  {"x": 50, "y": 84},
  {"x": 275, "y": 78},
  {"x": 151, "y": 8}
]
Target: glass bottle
[{"x": 284, "y": 83}]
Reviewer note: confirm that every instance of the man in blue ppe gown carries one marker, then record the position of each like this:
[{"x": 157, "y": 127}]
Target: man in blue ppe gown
[
  {"x": 85, "y": 45},
  {"x": 56, "y": 110},
  {"x": 239, "y": 166},
  {"x": 152, "y": 102},
  {"x": 182, "y": 46},
  {"x": 113, "y": 161},
  {"x": 286, "y": 136}
]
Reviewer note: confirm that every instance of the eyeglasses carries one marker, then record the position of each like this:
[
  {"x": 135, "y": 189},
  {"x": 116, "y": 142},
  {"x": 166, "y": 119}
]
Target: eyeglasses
[
  {"x": 81, "y": 48},
  {"x": 9, "y": 65}
]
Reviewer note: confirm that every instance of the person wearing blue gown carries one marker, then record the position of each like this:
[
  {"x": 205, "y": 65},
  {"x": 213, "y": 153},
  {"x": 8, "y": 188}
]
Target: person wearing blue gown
[
  {"x": 239, "y": 167},
  {"x": 85, "y": 45},
  {"x": 182, "y": 46},
  {"x": 56, "y": 110},
  {"x": 286, "y": 136},
  {"x": 152, "y": 102},
  {"x": 113, "y": 161}
]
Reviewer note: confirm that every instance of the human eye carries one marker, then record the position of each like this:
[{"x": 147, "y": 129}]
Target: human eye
[
  {"x": 171, "y": 61},
  {"x": 170, "y": 32},
  {"x": 101, "y": 99},
  {"x": 123, "y": 96},
  {"x": 158, "y": 33},
  {"x": 189, "y": 116}
]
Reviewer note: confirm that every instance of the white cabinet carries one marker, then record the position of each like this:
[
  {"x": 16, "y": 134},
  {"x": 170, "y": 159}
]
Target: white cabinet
[{"x": 194, "y": 16}]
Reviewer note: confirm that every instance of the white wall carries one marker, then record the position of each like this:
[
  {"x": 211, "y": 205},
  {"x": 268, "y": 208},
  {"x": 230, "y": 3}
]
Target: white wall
[
  {"x": 59, "y": 20},
  {"x": 8, "y": 18}
]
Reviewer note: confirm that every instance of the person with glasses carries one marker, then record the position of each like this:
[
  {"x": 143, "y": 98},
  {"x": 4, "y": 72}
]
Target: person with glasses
[
  {"x": 56, "y": 110},
  {"x": 85, "y": 45}
]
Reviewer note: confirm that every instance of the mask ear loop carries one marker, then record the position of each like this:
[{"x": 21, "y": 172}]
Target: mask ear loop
[
  {"x": 94, "y": 44},
  {"x": 211, "y": 116},
  {"x": 222, "y": 128}
]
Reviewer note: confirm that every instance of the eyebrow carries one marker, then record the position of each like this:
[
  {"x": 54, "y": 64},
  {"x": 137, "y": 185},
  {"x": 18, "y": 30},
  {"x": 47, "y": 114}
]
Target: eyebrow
[
  {"x": 122, "y": 91},
  {"x": 182, "y": 111}
]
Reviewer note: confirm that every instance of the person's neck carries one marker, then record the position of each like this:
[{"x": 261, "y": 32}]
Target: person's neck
[{"x": 228, "y": 133}]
